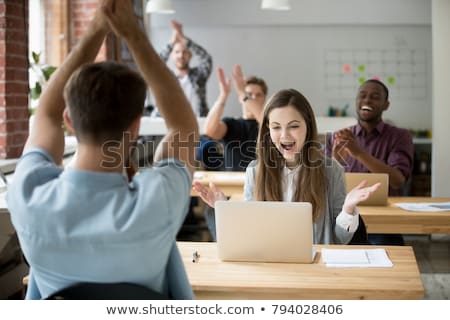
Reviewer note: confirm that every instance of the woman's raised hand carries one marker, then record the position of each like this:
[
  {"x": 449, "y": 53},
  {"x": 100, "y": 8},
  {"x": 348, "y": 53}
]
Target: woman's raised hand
[
  {"x": 358, "y": 194},
  {"x": 209, "y": 195}
]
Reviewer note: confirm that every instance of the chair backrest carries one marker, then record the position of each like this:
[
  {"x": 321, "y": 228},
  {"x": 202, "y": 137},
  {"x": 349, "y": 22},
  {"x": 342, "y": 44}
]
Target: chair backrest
[
  {"x": 360, "y": 236},
  {"x": 107, "y": 291},
  {"x": 380, "y": 196}
]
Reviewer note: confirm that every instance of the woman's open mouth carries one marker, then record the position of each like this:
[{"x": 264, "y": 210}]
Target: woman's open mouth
[{"x": 287, "y": 146}]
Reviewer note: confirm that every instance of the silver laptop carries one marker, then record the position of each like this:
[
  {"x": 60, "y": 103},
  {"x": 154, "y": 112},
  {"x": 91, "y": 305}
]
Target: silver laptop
[
  {"x": 380, "y": 196},
  {"x": 264, "y": 231}
]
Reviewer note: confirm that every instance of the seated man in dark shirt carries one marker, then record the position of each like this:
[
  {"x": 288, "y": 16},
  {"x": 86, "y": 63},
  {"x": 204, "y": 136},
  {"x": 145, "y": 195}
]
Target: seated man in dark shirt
[{"x": 237, "y": 134}]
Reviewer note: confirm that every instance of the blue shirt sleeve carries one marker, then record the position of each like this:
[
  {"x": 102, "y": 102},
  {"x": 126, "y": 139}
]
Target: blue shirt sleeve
[{"x": 35, "y": 167}]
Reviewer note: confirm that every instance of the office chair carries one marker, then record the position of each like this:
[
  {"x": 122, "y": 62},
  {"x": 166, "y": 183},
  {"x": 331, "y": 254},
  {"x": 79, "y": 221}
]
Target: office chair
[
  {"x": 360, "y": 236},
  {"x": 107, "y": 291}
]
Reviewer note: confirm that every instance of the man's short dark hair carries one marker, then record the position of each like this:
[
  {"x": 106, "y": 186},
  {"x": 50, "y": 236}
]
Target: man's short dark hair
[
  {"x": 103, "y": 100},
  {"x": 258, "y": 81},
  {"x": 385, "y": 89}
]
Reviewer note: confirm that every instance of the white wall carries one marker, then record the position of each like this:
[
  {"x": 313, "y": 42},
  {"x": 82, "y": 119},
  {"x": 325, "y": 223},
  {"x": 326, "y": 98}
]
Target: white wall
[
  {"x": 248, "y": 12},
  {"x": 290, "y": 49},
  {"x": 441, "y": 99}
]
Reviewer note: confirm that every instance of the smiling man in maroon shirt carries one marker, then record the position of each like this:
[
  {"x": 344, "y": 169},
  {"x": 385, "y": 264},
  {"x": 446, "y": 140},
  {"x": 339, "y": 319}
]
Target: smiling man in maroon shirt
[{"x": 373, "y": 145}]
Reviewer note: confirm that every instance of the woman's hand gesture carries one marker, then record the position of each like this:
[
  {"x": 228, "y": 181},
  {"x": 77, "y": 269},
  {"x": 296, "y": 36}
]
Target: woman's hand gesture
[
  {"x": 358, "y": 194},
  {"x": 209, "y": 195}
]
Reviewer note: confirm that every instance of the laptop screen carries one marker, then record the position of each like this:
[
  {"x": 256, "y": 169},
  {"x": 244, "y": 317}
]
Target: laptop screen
[{"x": 264, "y": 231}]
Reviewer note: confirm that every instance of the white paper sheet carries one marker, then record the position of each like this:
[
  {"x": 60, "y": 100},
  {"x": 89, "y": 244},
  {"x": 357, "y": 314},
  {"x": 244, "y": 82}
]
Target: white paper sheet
[
  {"x": 229, "y": 177},
  {"x": 356, "y": 258},
  {"x": 425, "y": 206},
  {"x": 220, "y": 177}
]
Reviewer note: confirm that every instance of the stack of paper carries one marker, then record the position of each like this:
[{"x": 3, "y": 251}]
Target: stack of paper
[
  {"x": 356, "y": 258},
  {"x": 425, "y": 206},
  {"x": 230, "y": 177}
]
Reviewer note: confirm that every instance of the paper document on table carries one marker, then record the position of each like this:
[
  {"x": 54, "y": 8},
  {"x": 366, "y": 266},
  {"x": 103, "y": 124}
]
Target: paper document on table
[
  {"x": 220, "y": 177},
  {"x": 229, "y": 177},
  {"x": 425, "y": 206},
  {"x": 356, "y": 258}
]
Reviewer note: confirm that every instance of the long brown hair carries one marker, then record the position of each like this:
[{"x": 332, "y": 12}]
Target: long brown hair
[{"x": 311, "y": 183}]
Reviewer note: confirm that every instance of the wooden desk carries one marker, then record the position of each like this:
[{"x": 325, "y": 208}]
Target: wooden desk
[
  {"x": 229, "y": 182},
  {"x": 211, "y": 278},
  {"x": 392, "y": 219}
]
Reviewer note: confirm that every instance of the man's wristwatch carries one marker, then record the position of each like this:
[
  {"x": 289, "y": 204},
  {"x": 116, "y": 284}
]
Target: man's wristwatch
[{"x": 247, "y": 97}]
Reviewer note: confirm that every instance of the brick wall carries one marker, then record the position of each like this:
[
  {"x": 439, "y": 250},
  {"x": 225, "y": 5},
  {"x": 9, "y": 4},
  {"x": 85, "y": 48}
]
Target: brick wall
[
  {"x": 14, "y": 87},
  {"x": 13, "y": 77},
  {"x": 82, "y": 12}
]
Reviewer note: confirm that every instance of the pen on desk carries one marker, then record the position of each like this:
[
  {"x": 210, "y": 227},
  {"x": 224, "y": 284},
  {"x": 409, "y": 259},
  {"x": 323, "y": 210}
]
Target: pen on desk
[{"x": 195, "y": 256}]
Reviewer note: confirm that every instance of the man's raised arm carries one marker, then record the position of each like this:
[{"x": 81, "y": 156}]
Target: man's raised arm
[
  {"x": 182, "y": 136},
  {"x": 47, "y": 131}
]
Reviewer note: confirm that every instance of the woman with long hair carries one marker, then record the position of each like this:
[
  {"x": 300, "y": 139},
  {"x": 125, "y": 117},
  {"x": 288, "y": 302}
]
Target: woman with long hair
[{"x": 291, "y": 166}]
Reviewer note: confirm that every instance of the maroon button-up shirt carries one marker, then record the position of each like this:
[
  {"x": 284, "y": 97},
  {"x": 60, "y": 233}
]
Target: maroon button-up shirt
[{"x": 387, "y": 143}]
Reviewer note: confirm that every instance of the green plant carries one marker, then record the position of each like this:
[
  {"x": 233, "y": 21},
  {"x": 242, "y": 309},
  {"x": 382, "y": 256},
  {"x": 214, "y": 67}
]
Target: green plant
[{"x": 41, "y": 73}]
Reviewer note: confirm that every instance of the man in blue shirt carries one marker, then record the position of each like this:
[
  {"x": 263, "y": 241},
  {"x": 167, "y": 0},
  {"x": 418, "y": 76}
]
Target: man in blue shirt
[{"x": 88, "y": 223}]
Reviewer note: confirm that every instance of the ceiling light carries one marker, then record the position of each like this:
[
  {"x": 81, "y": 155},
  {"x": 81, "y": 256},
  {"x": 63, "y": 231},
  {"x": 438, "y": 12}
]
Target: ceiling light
[
  {"x": 159, "y": 6},
  {"x": 276, "y": 5}
]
